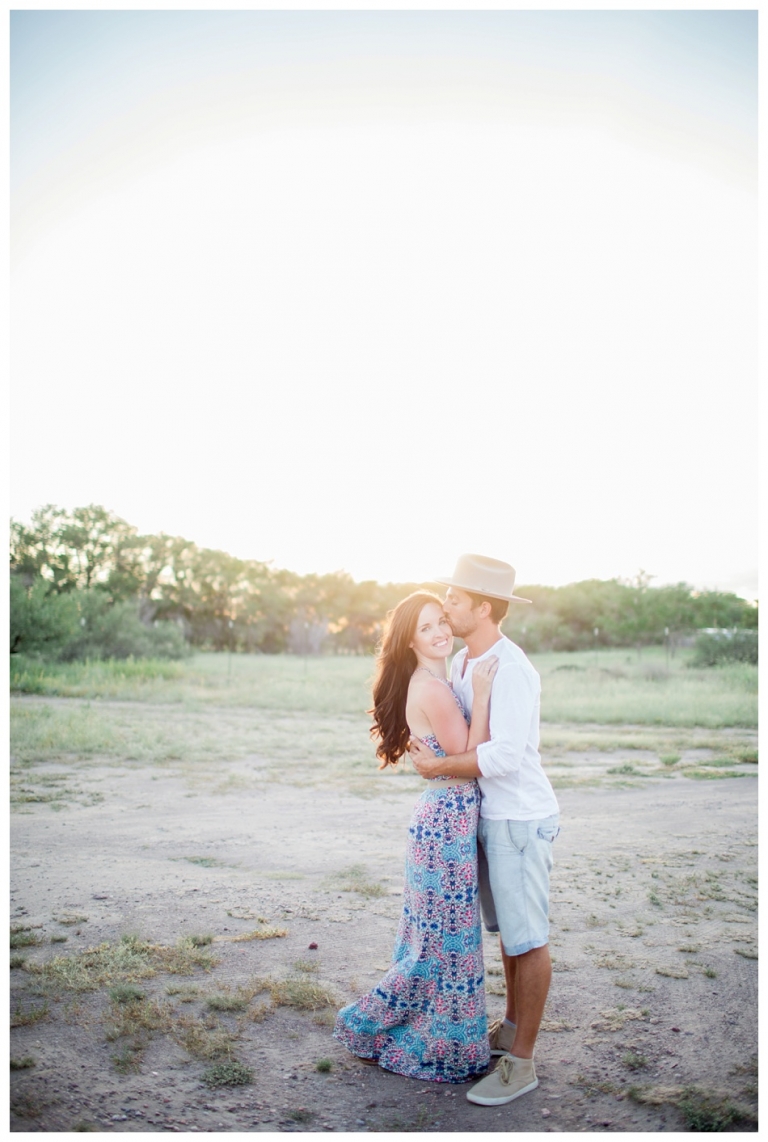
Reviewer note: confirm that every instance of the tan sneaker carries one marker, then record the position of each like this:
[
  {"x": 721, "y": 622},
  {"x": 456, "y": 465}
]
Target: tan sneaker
[
  {"x": 501, "y": 1036},
  {"x": 511, "y": 1078}
]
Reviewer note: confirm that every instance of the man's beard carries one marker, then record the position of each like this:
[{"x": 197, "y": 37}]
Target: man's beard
[{"x": 459, "y": 631}]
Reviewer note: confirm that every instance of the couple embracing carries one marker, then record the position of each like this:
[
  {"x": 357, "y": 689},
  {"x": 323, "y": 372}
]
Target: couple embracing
[{"x": 475, "y": 740}]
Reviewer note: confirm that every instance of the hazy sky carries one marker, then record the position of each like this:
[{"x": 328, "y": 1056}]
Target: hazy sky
[{"x": 365, "y": 290}]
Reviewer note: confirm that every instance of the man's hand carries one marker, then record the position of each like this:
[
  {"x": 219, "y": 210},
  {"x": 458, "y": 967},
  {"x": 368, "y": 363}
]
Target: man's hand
[{"x": 425, "y": 762}]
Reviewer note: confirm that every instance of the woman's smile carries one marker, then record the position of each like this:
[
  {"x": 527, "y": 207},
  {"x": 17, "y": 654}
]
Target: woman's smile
[{"x": 433, "y": 637}]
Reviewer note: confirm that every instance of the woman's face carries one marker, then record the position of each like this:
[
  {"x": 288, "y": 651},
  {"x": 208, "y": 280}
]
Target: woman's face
[{"x": 432, "y": 637}]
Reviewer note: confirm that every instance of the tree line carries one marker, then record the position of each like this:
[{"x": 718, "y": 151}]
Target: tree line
[{"x": 85, "y": 583}]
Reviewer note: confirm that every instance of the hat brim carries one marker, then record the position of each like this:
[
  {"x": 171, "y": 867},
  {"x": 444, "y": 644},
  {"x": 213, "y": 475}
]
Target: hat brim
[{"x": 475, "y": 591}]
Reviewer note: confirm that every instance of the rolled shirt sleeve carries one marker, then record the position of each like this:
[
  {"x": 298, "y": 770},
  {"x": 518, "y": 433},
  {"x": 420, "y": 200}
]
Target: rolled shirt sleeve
[{"x": 514, "y": 722}]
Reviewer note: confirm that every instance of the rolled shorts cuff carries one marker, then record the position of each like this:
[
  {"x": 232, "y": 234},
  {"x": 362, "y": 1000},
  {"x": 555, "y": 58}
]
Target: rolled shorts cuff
[{"x": 519, "y": 949}]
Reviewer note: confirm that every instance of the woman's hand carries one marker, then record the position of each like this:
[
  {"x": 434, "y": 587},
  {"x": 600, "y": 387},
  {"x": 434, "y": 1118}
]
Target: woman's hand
[{"x": 483, "y": 676}]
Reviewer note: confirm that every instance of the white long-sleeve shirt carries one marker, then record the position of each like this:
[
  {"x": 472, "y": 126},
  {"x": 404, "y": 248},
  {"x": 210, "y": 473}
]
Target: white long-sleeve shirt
[{"x": 513, "y": 783}]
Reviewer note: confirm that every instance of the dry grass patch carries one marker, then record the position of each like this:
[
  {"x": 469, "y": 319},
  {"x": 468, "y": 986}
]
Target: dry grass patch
[
  {"x": 303, "y": 994},
  {"x": 24, "y": 936},
  {"x": 126, "y": 961},
  {"x": 27, "y": 1017},
  {"x": 672, "y": 971},
  {"x": 203, "y": 1038},
  {"x": 701, "y": 1110},
  {"x": 131, "y": 1025},
  {"x": 230, "y": 1001},
  {"x": 614, "y": 1018},
  {"x": 355, "y": 879},
  {"x": 268, "y": 933}
]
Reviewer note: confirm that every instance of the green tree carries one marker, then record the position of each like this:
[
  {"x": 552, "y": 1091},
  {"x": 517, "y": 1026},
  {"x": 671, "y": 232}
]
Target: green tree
[{"x": 42, "y": 622}]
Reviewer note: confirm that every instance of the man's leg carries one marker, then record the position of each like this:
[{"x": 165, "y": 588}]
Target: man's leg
[{"x": 528, "y": 977}]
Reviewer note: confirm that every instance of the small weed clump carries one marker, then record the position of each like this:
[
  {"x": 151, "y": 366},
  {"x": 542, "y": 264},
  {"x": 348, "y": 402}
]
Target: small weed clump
[
  {"x": 125, "y": 993},
  {"x": 227, "y": 1002},
  {"x": 324, "y": 1066},
  {"x": 23, "y": 1063},
  {"x": 201, "y": 941},
  {"x": 301, "y": 1114},
  {"x": 17, "y": 962},
  {"x": 229, "y": 1073},
  {"x": 184, "y": 993},
  {"x": 634, "y": 1062},
  {"x": 23, "y": 937},
  {"x": 703, "y": 1112}
]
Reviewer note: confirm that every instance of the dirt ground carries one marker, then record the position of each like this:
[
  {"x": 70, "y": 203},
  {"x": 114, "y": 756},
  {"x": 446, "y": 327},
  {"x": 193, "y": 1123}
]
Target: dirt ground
[{"x": 653, "y": 939}]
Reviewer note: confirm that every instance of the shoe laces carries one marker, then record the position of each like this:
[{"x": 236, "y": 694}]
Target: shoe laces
[{"x": 505, "y": 1067}]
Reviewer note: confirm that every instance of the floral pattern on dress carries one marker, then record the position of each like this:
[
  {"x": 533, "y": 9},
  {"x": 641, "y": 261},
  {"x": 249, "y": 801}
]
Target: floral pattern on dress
[{"x": 426, "y": 1018}]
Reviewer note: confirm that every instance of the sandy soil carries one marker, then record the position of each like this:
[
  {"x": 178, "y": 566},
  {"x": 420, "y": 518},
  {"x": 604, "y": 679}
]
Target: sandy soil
[{"x": 653, "y": 936}]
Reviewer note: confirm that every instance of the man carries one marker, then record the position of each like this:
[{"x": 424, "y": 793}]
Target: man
[{"x": 518, "y": 815}]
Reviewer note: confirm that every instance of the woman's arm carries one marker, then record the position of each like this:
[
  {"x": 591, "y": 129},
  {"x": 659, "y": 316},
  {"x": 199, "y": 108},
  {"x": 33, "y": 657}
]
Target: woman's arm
[
  {"x": 438, "y": 708},
  {"x": 465, "y": 764}
]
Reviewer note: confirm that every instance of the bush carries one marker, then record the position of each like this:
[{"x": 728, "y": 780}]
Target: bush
[
  {"x": 114, "y": 630},
  {"x": 725, "y": 646},
  {"x": 42, "y": 621}
]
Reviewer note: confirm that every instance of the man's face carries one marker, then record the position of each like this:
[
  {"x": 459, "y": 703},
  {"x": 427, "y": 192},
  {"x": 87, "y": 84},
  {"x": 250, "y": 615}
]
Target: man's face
[{"x": 458, "y": 610}]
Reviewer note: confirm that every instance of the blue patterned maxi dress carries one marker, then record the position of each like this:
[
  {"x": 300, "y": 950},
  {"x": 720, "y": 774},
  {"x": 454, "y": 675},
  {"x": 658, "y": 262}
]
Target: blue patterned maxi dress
[{"x": 426, "y": 1018}]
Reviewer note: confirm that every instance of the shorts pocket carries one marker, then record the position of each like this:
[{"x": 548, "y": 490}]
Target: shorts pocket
[
  {"x": 548, "y": 832},
  {"x": 518, "y": 833}
]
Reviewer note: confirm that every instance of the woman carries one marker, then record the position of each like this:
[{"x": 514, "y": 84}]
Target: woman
[{"x": 426, "y": 1018}]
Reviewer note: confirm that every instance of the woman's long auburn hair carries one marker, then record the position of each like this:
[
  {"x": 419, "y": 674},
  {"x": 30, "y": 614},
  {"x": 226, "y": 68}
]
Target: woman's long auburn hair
[{"x": 395, "y": 663}]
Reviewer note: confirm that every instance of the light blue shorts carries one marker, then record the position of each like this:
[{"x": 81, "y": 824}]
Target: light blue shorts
[{"x": 514, "y": 862}]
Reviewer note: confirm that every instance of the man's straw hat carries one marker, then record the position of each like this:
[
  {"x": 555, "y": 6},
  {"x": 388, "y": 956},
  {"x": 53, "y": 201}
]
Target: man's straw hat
[{"x": 484, "y": 576}]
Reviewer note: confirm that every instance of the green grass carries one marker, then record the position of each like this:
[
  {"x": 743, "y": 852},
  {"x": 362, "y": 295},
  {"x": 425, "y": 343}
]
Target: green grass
[
  {"x": 126, "y": 678},
  {"x": 608, "y": 686},
  {"x": 618, "y": 686},
  {"x": 277, "y": 718},
  {"x": 270, "y": 682}
]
